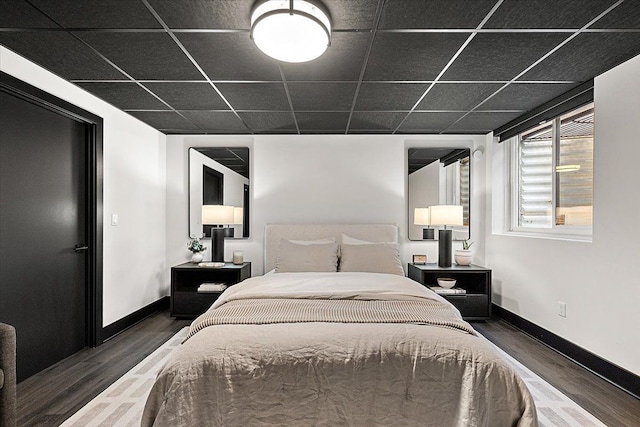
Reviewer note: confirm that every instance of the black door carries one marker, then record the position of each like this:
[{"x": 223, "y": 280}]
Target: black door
[{"x": 43, "y": 216}]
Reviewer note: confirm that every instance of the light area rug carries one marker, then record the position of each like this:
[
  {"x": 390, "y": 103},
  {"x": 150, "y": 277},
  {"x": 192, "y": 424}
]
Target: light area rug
[{"x": 123, "y": 402}]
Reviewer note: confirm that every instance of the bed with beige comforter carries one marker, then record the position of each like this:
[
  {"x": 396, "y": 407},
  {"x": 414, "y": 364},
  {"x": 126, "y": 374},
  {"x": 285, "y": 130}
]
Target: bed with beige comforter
[{"x": 358, "y": 349}]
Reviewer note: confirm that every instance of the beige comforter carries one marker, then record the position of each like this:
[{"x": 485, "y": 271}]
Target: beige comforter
[{"x": 378, "y": 371}]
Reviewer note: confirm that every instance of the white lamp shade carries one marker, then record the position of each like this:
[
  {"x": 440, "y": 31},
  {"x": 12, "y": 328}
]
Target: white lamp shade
[
  {"x": 238, "y": 215},
  {"x": 217, "y": 215},
  {"x": 421, "y": 216},
  {"x": 290, "y": 36},
  {"x": 446, "y": 215}
]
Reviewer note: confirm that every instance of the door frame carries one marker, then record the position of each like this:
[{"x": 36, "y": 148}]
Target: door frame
[{"x": 94, "y": 215}]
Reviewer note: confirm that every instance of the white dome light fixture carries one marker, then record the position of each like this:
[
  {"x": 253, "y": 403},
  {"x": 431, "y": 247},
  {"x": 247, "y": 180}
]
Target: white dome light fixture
[{"x": 291, "y": 30}]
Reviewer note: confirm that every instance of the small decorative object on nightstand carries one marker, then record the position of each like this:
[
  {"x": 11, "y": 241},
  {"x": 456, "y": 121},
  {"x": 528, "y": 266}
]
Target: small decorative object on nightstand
[
  {"x": 472, "y": 292},
  {"x": 420, "y": 259},
  {"x": 445, "y": 282},
  {"x": 194, "y": 289},
  {"x": 463, "y": 256},
  {"x": 196, "y": 247}
]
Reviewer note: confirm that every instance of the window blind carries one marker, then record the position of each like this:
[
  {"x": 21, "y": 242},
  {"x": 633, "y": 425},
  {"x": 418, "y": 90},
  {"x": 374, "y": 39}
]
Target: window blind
[{"x": 535, "y": 172}]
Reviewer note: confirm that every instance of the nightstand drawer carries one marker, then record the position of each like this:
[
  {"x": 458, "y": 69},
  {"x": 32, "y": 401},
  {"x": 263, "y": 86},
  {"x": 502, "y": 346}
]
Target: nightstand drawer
[
  {"x": 193, "y": 303},
  {"x": 473, "y": 307}
]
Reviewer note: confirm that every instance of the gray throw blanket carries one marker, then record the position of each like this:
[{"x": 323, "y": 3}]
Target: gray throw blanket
[{"x": 265, "y": 311}]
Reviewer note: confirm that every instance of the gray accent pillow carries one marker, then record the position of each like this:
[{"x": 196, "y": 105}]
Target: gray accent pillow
[
  {"x": 371, "y": 258},
  {"x": 293, "y": 257}
]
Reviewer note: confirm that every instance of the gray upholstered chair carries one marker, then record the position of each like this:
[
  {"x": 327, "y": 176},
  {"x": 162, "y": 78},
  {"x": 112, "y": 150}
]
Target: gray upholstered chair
[{"x": 7, "y": 375}]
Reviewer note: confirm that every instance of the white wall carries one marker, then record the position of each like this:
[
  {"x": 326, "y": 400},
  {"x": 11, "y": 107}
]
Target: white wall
[
  {"x": 316, "y": 178},
  {"x": 597, "y": 280},
  {"x": 134, "y": 188}
]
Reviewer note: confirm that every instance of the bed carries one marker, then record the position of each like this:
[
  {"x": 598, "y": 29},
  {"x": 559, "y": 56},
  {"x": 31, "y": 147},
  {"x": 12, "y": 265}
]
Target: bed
[{"x": 359, "y": 345}]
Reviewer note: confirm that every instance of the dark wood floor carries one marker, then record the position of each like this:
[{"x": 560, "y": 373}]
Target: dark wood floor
[
  {"x": 602, "y": 399},
  {"x": 53, "y": 395},
  {"x": 50, "y": 397}
]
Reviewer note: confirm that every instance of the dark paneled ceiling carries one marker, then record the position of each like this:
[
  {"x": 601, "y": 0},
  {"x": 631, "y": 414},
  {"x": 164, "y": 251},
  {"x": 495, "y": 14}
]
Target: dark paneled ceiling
[{"x": 394, "y": 66}]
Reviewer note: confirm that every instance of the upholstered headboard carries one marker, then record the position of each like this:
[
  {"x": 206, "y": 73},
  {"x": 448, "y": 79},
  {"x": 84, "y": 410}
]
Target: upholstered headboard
[{"x": 273, "y": 233}]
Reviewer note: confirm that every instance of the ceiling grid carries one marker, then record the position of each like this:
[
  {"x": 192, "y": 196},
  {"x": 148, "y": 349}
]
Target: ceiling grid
[{"x": 410, "y": 66}]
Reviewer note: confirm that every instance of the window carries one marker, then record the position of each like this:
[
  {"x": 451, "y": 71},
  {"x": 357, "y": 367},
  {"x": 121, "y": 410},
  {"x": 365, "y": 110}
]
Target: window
[{"x": 552, "y": 176}]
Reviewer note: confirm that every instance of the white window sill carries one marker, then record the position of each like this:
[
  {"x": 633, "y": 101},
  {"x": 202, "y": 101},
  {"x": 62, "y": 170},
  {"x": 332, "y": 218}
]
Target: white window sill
[{"x": 548, "y": 235}]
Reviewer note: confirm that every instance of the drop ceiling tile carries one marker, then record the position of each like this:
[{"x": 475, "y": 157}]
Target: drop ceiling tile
[
  {"x": 457, "y": 96},
  {"x": 60, "y": 53},
  {"x": 206, "y": 14},
  {"x": 428, "y": 122},
  {"x": 389, "y": 96},
  {"x": 375, "y": 121},
  {"x": 98, "y": 14},
  {"x": 236, "y": 14},
  {"x": 215, "y": 120},
  {"x": 342, "y": 61},
  {"x": 481, "y": 122},
  {"x": 525, "y": 96},
  {"x": 327, "y": 122},
  {"x": 625, "y": 15},
  {"x": 546, "y": 13},
  {"x": 126, "y": 96},
  {"x": 20, "y": 14},
  {"x": 188, "y": 96},
  {"x": 165, "y": 120},
  {"x": 255, "y": 96},
  {"x": 269, "y": 121},
  {"x": 411, "y": 56},
  {"x": 352, "y": 14},
  {"x": 147, "y": 56},
  {"x": 586, "y": 56},
  {"x": 322, "y": 96},
  {"x": 492, "y": 56},
  {"x": 230, "y": 56},
  {"x": 434, "y": 13}
]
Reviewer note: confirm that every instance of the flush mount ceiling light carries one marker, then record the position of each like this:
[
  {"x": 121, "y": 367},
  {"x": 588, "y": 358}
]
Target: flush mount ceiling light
[{"x": 291, "y": 30}]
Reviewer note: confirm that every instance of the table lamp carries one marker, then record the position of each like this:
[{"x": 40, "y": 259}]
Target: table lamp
[
  {"x": 445, "y": 215},
  {"x": 217, "y": 216},
  {"x": 421, "y": 216}
]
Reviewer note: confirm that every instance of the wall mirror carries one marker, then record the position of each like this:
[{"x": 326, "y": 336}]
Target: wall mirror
[
  {"x": 439, "y": 176},
  {"x": 219, "y": 176}
]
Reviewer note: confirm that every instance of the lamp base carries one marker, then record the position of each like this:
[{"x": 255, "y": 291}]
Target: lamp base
[
  {"x": 217, "y": 244},
  {"x": 444, "y": 248},
  {"x": 428, "y": 234}
]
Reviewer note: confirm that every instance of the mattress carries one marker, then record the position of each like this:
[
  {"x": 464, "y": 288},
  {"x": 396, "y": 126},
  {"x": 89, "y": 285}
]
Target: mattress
[{"x": 291, "y": 349}]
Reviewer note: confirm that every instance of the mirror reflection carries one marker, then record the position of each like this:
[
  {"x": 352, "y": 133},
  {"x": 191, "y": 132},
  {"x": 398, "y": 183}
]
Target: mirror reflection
[
  {"x": 438, "y": 176},
  {"x": 219, "y": 176}
]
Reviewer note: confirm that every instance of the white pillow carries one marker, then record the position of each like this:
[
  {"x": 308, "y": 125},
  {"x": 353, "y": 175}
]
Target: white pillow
[
  {"x": 348, "y": 240},
  {"x": 324, "y": 241},
  {"x": 293, "y": 257},
  {"x": 372, "y": 258}
]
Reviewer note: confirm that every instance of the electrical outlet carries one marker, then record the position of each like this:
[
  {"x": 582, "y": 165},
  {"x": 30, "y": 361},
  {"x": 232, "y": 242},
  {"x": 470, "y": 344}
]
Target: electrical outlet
[{"x": 562, "y": 309}]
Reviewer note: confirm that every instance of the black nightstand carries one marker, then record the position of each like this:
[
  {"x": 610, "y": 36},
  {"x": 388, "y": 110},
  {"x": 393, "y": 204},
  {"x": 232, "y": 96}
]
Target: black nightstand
[
  {"x": 476, "y": 280},
  {"x": 186, "y": 301}
]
